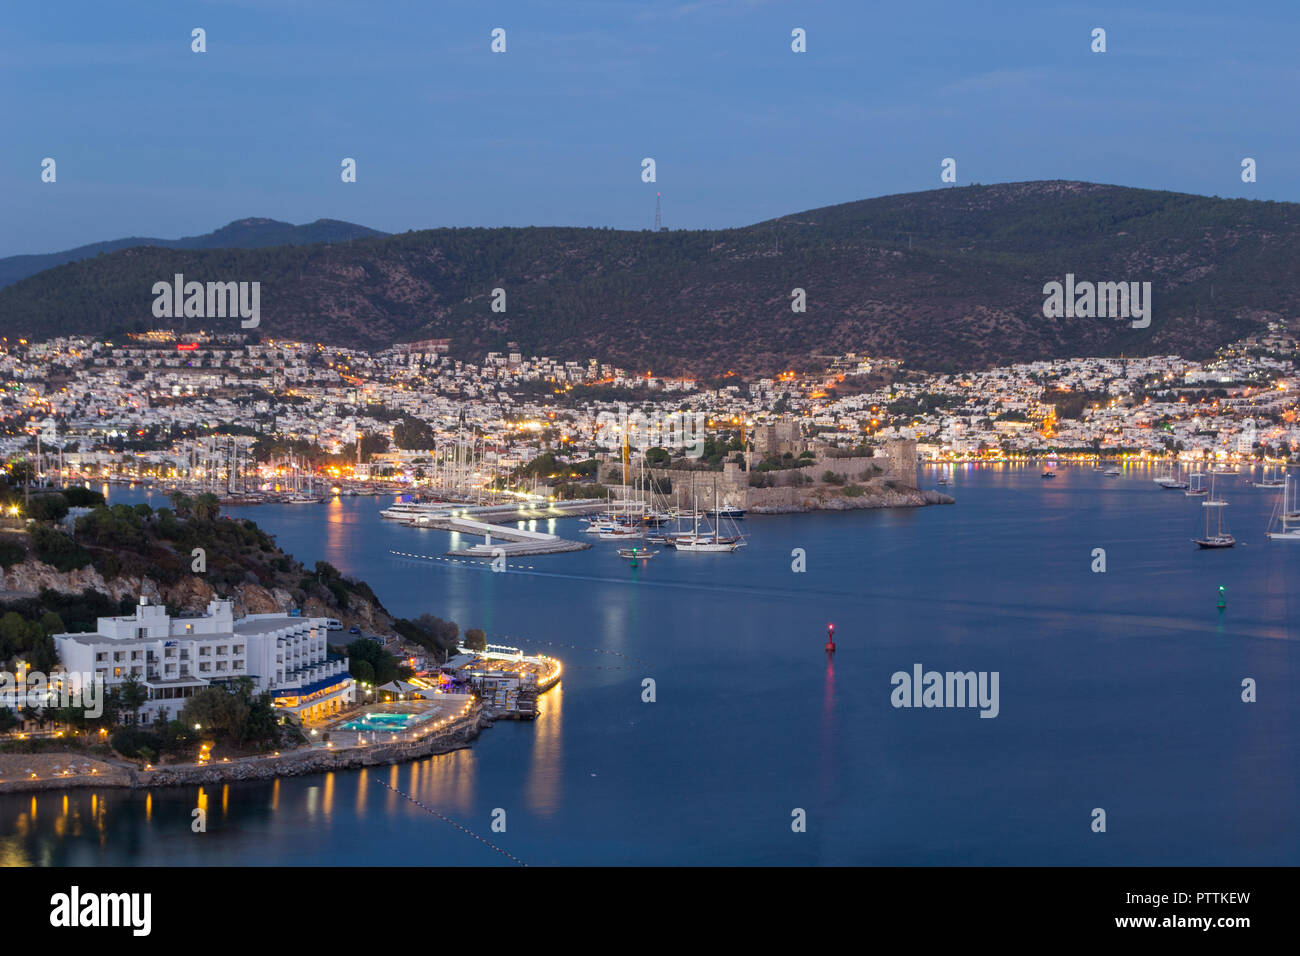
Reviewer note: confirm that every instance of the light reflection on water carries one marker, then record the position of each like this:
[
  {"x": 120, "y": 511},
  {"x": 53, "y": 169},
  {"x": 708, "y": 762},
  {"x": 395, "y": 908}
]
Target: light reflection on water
[{"x": 1122, "y": 686}]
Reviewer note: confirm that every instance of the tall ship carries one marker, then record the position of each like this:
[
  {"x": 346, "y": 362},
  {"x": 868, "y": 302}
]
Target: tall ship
[
  {"x": 708, "y": 539},
  {"x": 1218, "y": 538}
]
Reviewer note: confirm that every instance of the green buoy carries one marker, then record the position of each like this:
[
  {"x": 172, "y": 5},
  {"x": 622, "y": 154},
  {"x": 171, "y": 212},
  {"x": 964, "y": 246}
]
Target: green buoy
[{"x": 1223, "y": 600}]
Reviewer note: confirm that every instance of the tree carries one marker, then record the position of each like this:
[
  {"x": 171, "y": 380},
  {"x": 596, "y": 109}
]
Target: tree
[
  {"x": 220, "y": 709},
  {"x": 362, "y": 671},
  {"x": 78, "y": 497},
  {"x": 133, "y": 695},
  {"x": 475, "y": 639},
  {"x": 207, "y": 507},
  {"x": 383, "y": 665},
  {"x": 48, "y": 508},
  {"x": 412, "y": 433}
]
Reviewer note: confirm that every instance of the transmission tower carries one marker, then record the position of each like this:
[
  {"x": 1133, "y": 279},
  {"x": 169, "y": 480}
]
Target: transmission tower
[{"x": 659, "y": 219}]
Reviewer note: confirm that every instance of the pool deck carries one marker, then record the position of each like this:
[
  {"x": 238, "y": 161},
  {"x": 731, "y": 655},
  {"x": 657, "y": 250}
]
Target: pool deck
[{"x": 437, "y": 711}]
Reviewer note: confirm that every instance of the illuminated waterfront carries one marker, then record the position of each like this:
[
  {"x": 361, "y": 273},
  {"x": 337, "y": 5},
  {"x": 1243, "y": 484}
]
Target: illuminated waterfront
[{"x": 1119, "y": 690}]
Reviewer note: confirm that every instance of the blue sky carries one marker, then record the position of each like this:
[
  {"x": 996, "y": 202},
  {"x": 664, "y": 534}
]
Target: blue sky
[{"x": 152, "y": 139}]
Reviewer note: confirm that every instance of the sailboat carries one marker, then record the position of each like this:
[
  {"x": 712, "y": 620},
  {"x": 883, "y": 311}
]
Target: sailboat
[
  {"x": 1197, "y": 489},
  {"x": 708, "y": 540},
  {"x": 1170, "y": 482},
  {"x": 1270, "y": 480},
  {"x": 1220, "y": 538},
  {"x": 1285, "y": 523}
]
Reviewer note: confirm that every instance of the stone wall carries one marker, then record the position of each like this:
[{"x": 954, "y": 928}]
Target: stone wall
[{"x": 295, "y": 763}]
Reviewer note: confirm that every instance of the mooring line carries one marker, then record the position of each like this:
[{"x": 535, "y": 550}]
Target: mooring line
[{"x": 446, "y": 819}]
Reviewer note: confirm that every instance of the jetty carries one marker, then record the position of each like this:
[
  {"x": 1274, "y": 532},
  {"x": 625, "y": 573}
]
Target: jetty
[{"x": 489, "y": 520}]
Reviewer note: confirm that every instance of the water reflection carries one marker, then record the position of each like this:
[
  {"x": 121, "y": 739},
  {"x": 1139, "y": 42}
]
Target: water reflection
[{"x": 546, "y": 769}]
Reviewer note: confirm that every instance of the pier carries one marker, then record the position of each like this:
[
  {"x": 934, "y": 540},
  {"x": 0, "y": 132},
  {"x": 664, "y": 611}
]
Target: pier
[{"x": 488, "y": 521}]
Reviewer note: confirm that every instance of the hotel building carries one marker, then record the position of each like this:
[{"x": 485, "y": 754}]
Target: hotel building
[{"x": 174, "y": 657}]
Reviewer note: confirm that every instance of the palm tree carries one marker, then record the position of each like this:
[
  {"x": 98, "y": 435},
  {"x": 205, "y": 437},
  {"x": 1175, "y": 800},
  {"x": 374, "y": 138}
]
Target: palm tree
[{"x": 133, "y": 695}]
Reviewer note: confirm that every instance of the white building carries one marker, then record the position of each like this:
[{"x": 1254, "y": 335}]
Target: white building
[{"x": 173, "y": 657}]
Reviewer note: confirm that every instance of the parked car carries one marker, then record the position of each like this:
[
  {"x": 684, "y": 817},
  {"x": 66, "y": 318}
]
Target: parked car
[
  {"x": 354, "y": 630},
  {"x": 333, "y": 625}
]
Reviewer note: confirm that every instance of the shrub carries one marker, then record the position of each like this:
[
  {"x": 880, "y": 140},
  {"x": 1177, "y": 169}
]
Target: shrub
[
  {"x": 47, "y": 508},
  {"x": 11, "y": 553},
  {"x": 78, "y": 497},
  {"x": 57, "y": 549}
]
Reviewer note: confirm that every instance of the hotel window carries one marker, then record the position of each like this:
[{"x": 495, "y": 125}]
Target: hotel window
[
  {"x": 118, "y": 656},
  {"x": 100, "y": 657},
  {"x": 205, "y": 666},
  {"x": 205, "y": 652}
]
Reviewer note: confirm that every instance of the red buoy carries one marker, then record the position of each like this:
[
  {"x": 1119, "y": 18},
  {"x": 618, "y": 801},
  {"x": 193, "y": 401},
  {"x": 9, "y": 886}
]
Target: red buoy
[{"x": 830, "y": 638}]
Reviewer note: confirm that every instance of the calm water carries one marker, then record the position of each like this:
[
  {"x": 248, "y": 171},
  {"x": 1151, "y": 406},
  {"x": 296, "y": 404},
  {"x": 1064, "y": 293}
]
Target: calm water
[{"x": 1118, "y": 690}]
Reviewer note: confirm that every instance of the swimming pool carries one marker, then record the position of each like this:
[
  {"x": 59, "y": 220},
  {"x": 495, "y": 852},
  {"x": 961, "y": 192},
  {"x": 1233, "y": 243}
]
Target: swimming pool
[{"x": 381, "y": 721}]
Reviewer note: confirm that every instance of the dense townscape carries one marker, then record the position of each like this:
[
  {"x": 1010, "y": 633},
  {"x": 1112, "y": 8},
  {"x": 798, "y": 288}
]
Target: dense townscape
[{"x": 135, "y": 407}]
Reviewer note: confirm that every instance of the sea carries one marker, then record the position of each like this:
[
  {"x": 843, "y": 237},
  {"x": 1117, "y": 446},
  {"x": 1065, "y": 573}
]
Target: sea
[{"x": 700, "y": 720}]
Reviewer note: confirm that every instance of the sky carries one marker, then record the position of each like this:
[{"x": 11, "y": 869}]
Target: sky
[{"x": 152, "y": 139}]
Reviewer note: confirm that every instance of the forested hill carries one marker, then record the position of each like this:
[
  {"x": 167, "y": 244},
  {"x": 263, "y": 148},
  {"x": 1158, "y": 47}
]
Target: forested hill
[
  {"x": 946, "y": 278},
  {"x": 242, "y": 233}
]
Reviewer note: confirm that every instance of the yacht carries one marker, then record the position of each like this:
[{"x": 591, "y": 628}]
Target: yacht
[
  {"x": 1285, "y": 523},
  {"x": 1219, "y": 538},
  {"x": 410, "y": 511}
]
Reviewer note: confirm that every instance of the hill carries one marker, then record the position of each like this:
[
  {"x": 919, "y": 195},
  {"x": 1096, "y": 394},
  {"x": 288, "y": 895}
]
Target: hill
[
  {"x": 241, "y": 234},
  {"x": 943, "y": 279}
]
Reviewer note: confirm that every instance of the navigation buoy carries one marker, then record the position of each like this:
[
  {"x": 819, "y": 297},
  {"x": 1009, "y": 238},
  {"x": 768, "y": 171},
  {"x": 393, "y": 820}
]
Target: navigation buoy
[
  {"x": 830, "y": 638},
  {"x": 1223, "y": 600}
]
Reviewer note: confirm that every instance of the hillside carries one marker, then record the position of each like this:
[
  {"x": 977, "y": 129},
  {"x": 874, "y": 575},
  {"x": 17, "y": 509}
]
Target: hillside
[
  {"x": 241, "y": 234},
  {"x": 946, "y": 278},
  {"x": 121, "y": 552}
]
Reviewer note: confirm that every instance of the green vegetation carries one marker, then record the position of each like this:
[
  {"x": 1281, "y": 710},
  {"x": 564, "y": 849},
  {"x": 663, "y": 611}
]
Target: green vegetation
[
  {"x": 413, "y": 434},
  {"x": 369, "y": 663}
]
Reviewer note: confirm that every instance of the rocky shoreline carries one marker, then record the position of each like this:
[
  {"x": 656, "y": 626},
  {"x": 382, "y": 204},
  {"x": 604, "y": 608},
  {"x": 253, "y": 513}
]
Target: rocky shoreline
[{"x": 297, "y": 763}]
